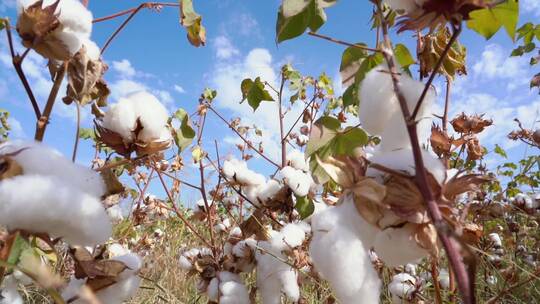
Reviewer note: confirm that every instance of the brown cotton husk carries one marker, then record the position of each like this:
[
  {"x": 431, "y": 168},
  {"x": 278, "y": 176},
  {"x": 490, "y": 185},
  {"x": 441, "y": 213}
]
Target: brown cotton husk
[
  {"x": 9, "y": 168},
  {"x": 112, "y": 183},
  {"x": 86, "y": 266},
  {"x": 36, "y": 26},
  {"x": 475, "y": 151},
  {"x": 151, "y": 147},
  {"x": 434, "y": 13},
  {"x": 368, "y": 200},
  {"x": 425, "y": 236},
  {"x": 432, "y": 47},
  {"x": 405, "y": 200},
  {"x": 470, "y": 124},
  {"x": 462, "y": 184},
  {"x": 441, "y": 143},
  {"x": 113, "y": 140},
  {"x": 472, "y": 233},
  {"x": 85, "y": 80},
  {"x": 255, "y": 225}
]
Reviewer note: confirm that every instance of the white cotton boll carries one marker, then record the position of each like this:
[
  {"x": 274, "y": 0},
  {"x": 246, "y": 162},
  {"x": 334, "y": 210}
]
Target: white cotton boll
[
  {"x": 293, "y": 235},
  {"x": 152, "y": 115},
  {"x": 492, "y": 280},
  {"x": 133, "y": 263},
  {"x": 232, "y": 289},
  {"x": 121, "y": 118},
  {"x": 297, "y": 180},
  {"x": 116, "y": 250},
  {"x": 115, "y": 213},
  {"x": 380, "y": 112},
  {"x": 206, "y": 251},
  {"x": 53, "y": 207},
  {"x": 36, "y": 158},
  {"x": 444, "y": 278},
  {"x": 268, "y": 190},
  {"x": 237, "y": 170},
  {"x": 230, "y": 166},
  {"x": 389, "y": 239},
  {"x": 212, "y": 291},
  {"x": 22, "y": 278},
  {"x": 92, "y": 50},
  {"x": 185, "y": 263},
  {"x": 339, "y": 250},
  {"x": 73, "y": 41},
  {"x": 297, "y": 160},
  {"x": 410, "y": 269},
  {"x": 495, "y": 239},
  {"x": 405, "y": 5},
  {"x": 403, "y": 160},
  {"x": 235, "y": 232},
  {"x": 9, "y": 293},
  {"x": 402, "y": 287},
  {"x": 72, "y": 289},
  {"x": 119, "y": 292}
]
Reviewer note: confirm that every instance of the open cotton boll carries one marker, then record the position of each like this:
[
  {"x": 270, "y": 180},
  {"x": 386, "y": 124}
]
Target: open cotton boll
[
  {"x": 75, "y": 26},
  {"x": 339, "y": 250},
  {"x": 495, "y": 239},
  {"x": 297, "y": 160},
  {"x": 444, "y": 279},
  {"x": 299, "y": 181},
  {"x": 231, "y": 289},
  {"x": 237, "y": 170},
  {"x": 151, "y": 113},
  {"x": 53, "y": 207},
  {"x": 380, "y": 112},
  {"x": 402, "y": 287},
  {"x": 212, "y": 291},
  {"x": 92, "y": 50},
  {"x": 116, "y": 249},
  {"x": 293, "y": 234},
  {"x": 36, "y": 158},
  {"x": 121, "y": 118},
  {"x": 389, "y": 239},
  {"x": 9, "y": 293},
  {"x": 115, "y": 213},
  {"x": 403, "y": 160}
]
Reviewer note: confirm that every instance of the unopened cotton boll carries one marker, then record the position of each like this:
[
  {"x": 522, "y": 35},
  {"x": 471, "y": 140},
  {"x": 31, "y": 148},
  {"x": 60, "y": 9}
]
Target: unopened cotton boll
[
  {"x": 380, "y": 112},
  {"x": 389, "y": 239},
  {"x": 53, "y": 207},
  {"x": 36, "y": 158},
  {"x": 339, "y": 250},
  {"x": 402, "y": 287}
]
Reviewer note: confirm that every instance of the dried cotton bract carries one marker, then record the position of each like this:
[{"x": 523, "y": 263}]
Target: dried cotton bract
[
  {"x": 54, "y": 29},
  {"x": 51, "y": 195},
  {"x": 138, "y": 122}
]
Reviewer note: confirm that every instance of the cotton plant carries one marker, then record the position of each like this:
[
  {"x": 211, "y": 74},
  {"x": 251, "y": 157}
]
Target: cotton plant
[{"x": 137, "y": 123}]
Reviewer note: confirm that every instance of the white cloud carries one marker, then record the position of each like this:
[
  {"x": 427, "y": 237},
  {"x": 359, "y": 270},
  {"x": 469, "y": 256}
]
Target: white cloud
[
  {"x": 7, "y": 4},
  {"x": 224, "y": 48},
  {"x": 227, "y": 78},
  {"x": 179, "y": 89},
  {"x": 123, "y": 87},
  {"x": 531, "y": 6},
  {"x": 495, "y": 63},
  {"x": 124, "y": 68},
  {"x": 16, "y": 129}
]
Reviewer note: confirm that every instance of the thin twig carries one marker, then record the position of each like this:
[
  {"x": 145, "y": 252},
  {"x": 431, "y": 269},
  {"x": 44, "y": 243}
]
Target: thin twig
[
  {"x": 17, "y": 64},
  {"x": 43, "y": 120},
  {"x": 281, "y": 131},
  {"x": 242, "y": 137},
  {"x": 446, "y": 104},
  {"x": 299, "y": 117},
  {"x": 77, "y": 133},
  {"x": 178, "y": 213},
  {"x": 455, "y": 34},
  {"x": 128, "y": 11},
  {"x": 365, "y": 48}
]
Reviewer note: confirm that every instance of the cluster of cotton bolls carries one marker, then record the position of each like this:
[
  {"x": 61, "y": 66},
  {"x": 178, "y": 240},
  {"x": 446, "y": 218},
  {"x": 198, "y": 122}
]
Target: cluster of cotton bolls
[
  {"x": 57, "y": 30},
  {"x": 342, "y": 238},
  {"x": 65, "y": 200},
  {"x": 529, "y": 203},
  {"x": 260, "y": 191},
  {"x": 125, "y": 284},
  {"x": 151, "y": 209},
  {"x": 138, "y": 122},
  {"x": 275, "y": 275},
  {"x": 496, "y": 248}
]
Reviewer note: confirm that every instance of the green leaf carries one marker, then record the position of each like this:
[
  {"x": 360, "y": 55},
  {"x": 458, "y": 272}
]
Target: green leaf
[
  {"x": 183, "y": 136},
  {"x": 500, "y": 151},
  {"x": 304, "y": 206},
  {"x": 18, "y": 246},
  {"x": 254, "y": 92},
  {"x": 487, "y": 22},
  {"x": 403, "y": 56},
  {"x": 209, "y": 94},
  {"x": 2, "y": 23},
  {"x": 295, "y": 16},
  {"x": 350, "y": 63},
  {"x": 87, "y": 133},
  {"x": 192, "y": 21},
  {"x": 197, "y": 153}
]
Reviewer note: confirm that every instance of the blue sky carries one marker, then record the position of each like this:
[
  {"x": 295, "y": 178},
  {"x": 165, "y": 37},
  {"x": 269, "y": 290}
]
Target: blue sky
[{"x": 153, "y": 53}]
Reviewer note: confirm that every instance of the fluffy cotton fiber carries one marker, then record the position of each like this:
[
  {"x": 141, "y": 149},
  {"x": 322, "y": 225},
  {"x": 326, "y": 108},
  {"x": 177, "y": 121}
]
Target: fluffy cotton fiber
[
  {"x": 67, "y": 39},
  {"x": 122, "y": 117},
  {"x": 380, "y": 112},
  {"x": 339, "y": 250},
  {"x": 229, "y": 288}
]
